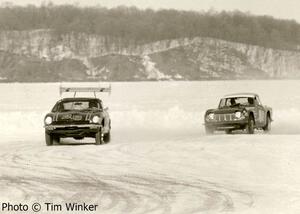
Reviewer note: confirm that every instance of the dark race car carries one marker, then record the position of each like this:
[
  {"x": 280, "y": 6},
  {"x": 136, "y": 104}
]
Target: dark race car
[
  {"x": 238, "y": 112},
  {"x": 78, "y": 117}
]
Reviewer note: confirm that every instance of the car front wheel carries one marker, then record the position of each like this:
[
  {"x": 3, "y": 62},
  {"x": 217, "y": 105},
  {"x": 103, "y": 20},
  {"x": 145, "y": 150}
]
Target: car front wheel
[
  {"x": 49, "y": 139},
  {"x": 56, "y": 139},
  {"x": 250, "y": 126},
  {"x": 229, "y": 131},
  {"x": 106, "y": 137}
]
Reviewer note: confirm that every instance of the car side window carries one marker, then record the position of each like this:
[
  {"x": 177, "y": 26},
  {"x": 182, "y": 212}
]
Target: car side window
[
  {"x": 251, "y": 101},
  {"x": 257, "y": 101}
]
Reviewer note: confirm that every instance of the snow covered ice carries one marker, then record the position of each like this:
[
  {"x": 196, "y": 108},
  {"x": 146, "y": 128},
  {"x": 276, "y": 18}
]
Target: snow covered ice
[{"x": 159, "y": 159}]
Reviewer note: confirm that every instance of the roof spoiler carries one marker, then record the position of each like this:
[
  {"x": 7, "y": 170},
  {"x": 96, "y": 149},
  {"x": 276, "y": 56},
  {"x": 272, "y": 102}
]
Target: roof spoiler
[{"x": 84, "y": 89}]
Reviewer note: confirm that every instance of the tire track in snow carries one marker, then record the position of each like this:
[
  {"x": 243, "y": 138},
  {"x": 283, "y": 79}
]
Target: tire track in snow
[{"x": 51, "y": 174}]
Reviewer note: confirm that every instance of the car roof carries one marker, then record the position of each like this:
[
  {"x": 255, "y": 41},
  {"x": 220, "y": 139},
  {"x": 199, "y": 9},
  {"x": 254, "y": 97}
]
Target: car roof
[
  {"x": 79, "y": 99},
  {"x": 241, "y": 95}
]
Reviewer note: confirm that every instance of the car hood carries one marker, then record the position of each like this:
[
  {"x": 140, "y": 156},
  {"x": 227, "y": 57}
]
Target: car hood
[{"x": 225, "y": 110}]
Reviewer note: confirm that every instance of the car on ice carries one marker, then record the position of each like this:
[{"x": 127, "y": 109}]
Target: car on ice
[
  {"x": 242, "y": 111},
  {"x": 78, "y": 117}
]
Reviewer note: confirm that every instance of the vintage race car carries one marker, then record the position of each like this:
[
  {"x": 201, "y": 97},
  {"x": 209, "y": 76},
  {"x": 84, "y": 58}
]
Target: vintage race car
[
  {"x": 238, "y": 112},
  {"x": 78, "y": 117}
]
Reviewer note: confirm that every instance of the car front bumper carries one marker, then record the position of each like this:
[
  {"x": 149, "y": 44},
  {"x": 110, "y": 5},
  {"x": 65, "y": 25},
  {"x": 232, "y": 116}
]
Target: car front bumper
[
  {"x": 84, "y": 130},
  {"x": 228, "y": 125}
]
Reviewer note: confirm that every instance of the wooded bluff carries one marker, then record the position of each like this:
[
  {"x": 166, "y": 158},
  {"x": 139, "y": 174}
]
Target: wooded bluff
[{"x": 68, "y": 43}]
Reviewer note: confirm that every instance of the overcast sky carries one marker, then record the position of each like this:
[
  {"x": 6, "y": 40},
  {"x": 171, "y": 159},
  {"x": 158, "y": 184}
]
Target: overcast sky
[{"x": 286, "y": 9}]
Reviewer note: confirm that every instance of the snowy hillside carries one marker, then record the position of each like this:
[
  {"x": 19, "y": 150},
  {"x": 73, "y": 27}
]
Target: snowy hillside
[{"x": 43, "y": 55}]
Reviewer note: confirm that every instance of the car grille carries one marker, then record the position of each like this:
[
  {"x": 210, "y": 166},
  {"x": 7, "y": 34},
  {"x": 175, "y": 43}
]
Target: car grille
[
  {"x": 71, "y": 119},
  {"x": 70, "y": 122},
  {"x": 224, "y": 117}
]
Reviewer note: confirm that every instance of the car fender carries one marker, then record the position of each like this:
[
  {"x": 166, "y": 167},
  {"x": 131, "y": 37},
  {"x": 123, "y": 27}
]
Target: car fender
[
  {"x": 106, "y": 123},
  {"x": 270, "y": 111}
]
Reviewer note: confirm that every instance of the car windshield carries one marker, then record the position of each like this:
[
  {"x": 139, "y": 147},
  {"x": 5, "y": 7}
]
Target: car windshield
[
  {"x": 78, "y": 105},
  {"x": 236, "y": 101}
]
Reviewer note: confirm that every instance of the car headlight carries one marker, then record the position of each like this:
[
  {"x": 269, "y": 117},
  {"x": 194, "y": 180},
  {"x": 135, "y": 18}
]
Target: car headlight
[
  {"x": 96, "y": 119},
  {"x": 210, "y": 116},
  {"x": 238, "y": 114},
  {"x": 48, "y": 120}
]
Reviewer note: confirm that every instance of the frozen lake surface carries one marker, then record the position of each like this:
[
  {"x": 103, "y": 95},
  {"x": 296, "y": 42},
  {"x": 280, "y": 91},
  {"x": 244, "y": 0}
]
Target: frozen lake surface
[{"x": 159, "y": 159}]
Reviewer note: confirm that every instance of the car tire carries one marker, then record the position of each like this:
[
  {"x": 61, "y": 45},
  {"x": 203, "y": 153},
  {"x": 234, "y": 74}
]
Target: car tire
[
  {"x": 209, "y": 131},
  {"x": 56, "y": 139},
  {"x": 229, "y": 131},
  {"x": 267, "y": 127},
  {"x": 99, "y": 138},
  {"x": 250, "y": 125},
  {"x": 106, "y": 137},
  {"x": 49, "y": 139}
]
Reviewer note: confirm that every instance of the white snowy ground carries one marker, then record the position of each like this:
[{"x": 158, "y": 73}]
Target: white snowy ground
[{"x": 159, "y": 159}]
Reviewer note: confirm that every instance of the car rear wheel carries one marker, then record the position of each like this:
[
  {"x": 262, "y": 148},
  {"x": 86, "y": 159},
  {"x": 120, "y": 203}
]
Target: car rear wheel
[
  {"x": 49, "y": 139},
  {"x": 99, "y": 138},
  {"x": 250, "y": 125},
  {"x": 267, "y": 127}
]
